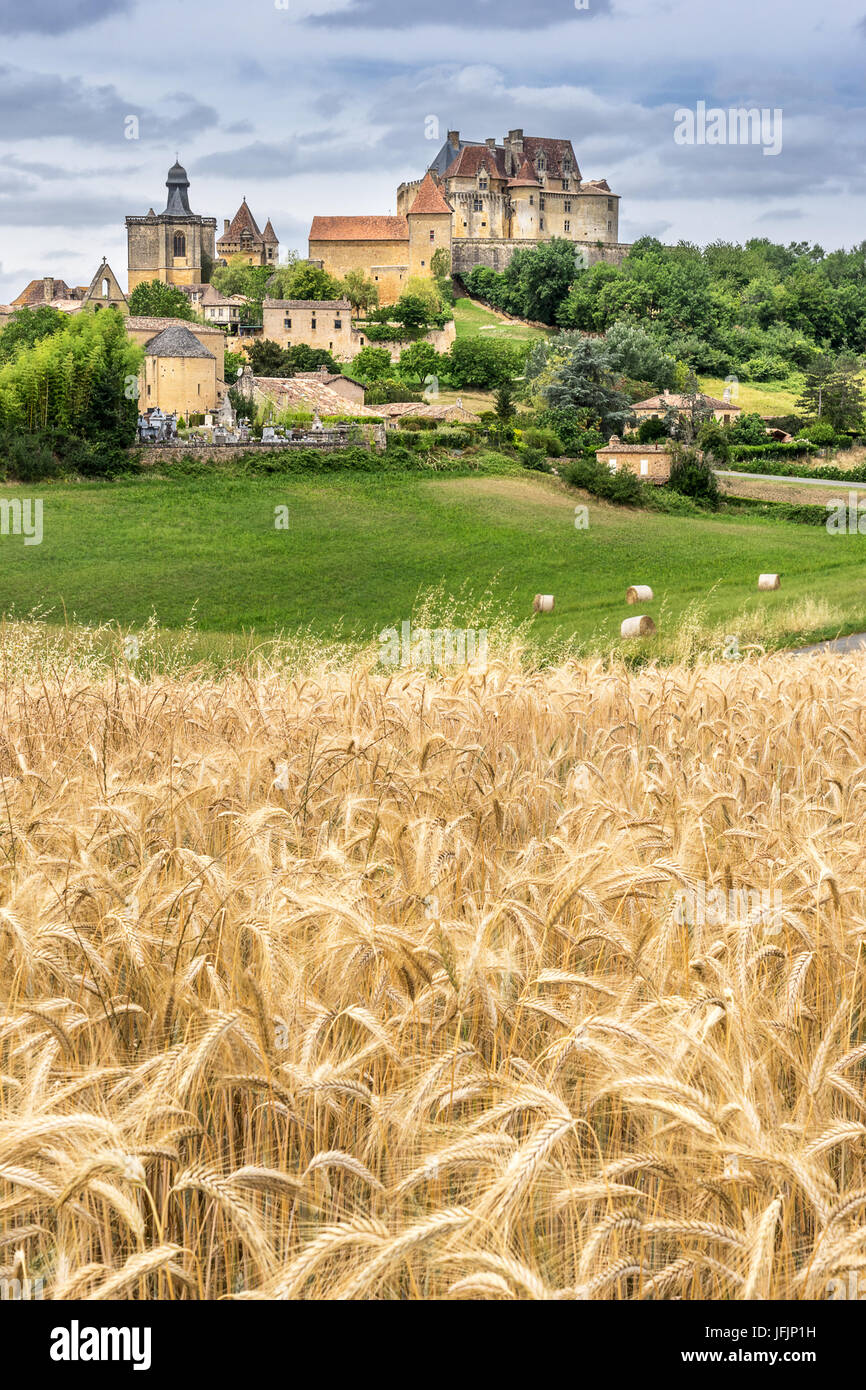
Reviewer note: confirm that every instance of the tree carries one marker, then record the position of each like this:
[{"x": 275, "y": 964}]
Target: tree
[
  {"x": 412, "y": 310},
  {"x": 372, "y": 364},
  {"x": 504, "y": 403},
  {"x": 267, "y": 358},
  {"x": 692, "y": 476},
  {"x": 26, "y": 327},
  {"x": 419, "y": 361},
  {"x": 573, "y": 373},
  {"x": 833, "y": 392},
  {"x": 155, "y": 300},
  {"x": 714, "y": 441},
  {"x": 304, "y": 281},
  {"x": 361, "y": 292}
]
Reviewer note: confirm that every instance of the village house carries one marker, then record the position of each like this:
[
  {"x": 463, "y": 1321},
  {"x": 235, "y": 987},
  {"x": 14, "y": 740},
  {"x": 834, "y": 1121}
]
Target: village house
[
  {"x": 318, "y": 323},
  {"x": 222, "y": 309},
  {"x": 656, "y": 407},
  {"x": 650, "y": 462},
  {"x": 453, "y": 413}
]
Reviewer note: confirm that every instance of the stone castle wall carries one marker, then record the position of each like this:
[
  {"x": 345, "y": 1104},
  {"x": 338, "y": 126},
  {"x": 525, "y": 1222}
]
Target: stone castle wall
[{"x": 496, "y": 253}]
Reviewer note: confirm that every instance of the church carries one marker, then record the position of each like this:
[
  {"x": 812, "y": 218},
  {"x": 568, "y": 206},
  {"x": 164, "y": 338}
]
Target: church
[{"x": 171, "y": 245}]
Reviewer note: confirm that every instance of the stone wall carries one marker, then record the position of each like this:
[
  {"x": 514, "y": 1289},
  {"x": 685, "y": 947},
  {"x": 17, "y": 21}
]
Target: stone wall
[
  {"x": 153, "y": 454},
  {"x": 468, "y": 252}
]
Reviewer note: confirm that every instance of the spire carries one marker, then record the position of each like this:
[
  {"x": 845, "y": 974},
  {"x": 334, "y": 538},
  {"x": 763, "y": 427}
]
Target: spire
[
  {"x": 177, "y": 184},
  {"x": 429, "y": 199}
]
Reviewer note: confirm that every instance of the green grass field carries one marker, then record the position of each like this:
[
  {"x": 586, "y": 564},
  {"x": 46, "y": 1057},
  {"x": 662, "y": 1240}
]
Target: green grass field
[
  {"x": 359, "y": 550},
  {"x": 472, "y": 320}
]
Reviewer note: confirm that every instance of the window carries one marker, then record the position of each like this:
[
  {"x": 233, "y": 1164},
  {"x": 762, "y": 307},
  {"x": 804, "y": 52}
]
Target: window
[
  {"x": 541, "y": 224},
  {"x": 611, "y": 463},
  {"x": 148, "y": 390},
  {"x": 567, "y": 225},
  {"x": 566, "y": 184},
  {"x": 287, "y": 323},
  {"x": 423, "y": 263},
  {"x": 609, "y": 224},
  {"x": 482, "y": 184},
  {"x": 179, "y": 244},
  {"x": 541, "y": 200},
  {"x": 338, "y": 323},
  {"x": 531, "y": 199},
  {"x": 610, "y": 204},
  {"x": 432, "y": 236},
  {"x": 568, "y": 205},
  {"x": 644, "y": 468},
  {"x": 477, "y": 203},
  {"x": 106, "y": 290},
  {"x": 270, "y": 253},
  {"x": 313, "y": 321}
]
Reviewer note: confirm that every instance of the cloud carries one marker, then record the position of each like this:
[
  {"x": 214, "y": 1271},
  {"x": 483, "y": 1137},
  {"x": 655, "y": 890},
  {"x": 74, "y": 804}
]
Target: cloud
[
  {"x": 35, "y": 105},
  {"x": 56, "y": 16},
  {"x": 51, "y": 211}
]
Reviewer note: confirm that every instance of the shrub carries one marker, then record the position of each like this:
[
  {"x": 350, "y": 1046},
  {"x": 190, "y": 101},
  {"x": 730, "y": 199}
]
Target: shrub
[
  {"x": 648, "y": 431},
  {"x": 545, "y": 440},
  {"x": 623, "y": 487},
  {"x": 692, "y": 477},
  {"x": 534, "y": 458}
]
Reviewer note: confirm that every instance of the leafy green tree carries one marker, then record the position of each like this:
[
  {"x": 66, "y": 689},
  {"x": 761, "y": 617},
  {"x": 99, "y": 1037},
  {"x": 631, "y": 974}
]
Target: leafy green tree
[
  {"x": 304, "y": 281},
  {"x": 26, "y": 327},
  {"x": 573, "y": 373},
  {"x": 154, "y": 299},
  {"x": 714, "y": 441},
  {"x": 504, "y": 403},
  {"x": 748, "y": 428},
  {"x": 267, "y": 358},
  {"x": 419, "y": 361},
  {"x": 692, "y": 476},
  {"x": 834, "y": 392},
  {"x": 372, "y": 364},
  {"x": 412, "y": 310},
  {"x": 483, "y": 363},
  {"x": 361, "y": 292},
  {"x": 83, "y": 380}
]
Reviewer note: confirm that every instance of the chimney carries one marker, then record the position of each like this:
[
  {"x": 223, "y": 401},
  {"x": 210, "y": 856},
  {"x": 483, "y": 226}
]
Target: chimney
[
  {"x": 454, "y": 138},
  {"x": 226, "y": 225},
  {"x": 490, "y": 142},
  {"x": 48, "y": 288}
]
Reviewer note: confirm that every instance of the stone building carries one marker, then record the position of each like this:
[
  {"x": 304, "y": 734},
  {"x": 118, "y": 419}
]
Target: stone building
[
  {"x": 387, "y": 249},
  {"x": 652, "y": 462},
  {"x": 103, "y": 292},
  {"x": 180, "y": 374},
  {"x": 243, "y": 243},
  {"x": 319, "y": 323},
  {"x": 656, "y": 407},
  {"x": 170, "y": 245},
  {"x": 143, "y": 328},
  {"x": 526, "y": 190}
]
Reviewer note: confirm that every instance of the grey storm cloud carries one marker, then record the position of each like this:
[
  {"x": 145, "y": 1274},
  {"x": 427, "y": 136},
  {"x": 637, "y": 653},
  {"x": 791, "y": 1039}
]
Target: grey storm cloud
[
  {"x": 56, "y": 16},
  {"x": 58, "y": 212},
  {"x": 35, "y": 105},
  {"x": 466, "y": 14}
]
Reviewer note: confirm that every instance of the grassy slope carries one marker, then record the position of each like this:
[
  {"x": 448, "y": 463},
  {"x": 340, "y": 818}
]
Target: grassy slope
[
  {"x": 361, "y": 549},
  {"x": 472, "y": 320}
]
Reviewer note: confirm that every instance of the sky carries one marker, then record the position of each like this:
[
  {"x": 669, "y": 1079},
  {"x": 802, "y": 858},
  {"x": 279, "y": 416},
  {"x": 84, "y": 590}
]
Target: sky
[{"x": 325, "y": 106}]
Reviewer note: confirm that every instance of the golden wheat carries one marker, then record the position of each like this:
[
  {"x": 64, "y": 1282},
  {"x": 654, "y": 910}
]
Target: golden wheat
[{"x": 419, "y": 1014}]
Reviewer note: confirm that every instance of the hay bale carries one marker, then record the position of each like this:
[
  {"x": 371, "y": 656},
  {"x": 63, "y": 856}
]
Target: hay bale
[
  {"x": 543, "y": 603},
  {"x": 642, "y": 626},
  {"x": 639, "y": 593},
  {"x": 768, "y": 581}
]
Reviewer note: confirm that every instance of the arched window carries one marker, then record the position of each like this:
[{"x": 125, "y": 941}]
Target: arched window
[
  {"x": 106, "y": 290},
  {"x": 179, "y": 244}
]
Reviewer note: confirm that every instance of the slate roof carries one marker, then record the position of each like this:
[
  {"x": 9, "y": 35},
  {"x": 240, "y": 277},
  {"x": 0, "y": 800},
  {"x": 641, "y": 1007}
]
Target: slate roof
[
  {"x": 176, "y": 341},
  {"x": 359, "y": 229}
]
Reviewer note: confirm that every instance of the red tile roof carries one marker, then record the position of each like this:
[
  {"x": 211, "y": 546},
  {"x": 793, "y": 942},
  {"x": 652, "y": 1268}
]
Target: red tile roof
[
  {"x": 359, "y": 229},
  {"x": 429, "y": 199},
  {"x": 473, "y": 158},
  {"x": 269, "y": 234}
]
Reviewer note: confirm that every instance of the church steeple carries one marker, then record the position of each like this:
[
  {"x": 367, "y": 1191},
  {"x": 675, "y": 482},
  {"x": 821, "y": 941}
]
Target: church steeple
[{"x": 177, "y": 184}]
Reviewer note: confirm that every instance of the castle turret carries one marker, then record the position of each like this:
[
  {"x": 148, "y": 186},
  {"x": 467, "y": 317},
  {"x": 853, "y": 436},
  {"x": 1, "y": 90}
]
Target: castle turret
[
  {"x": 429, "y": 218},
  {"x": 524, "y": 191}
]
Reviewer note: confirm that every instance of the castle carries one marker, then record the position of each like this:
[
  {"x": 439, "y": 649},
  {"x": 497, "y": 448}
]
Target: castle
[{"x": 480, "y": 202}]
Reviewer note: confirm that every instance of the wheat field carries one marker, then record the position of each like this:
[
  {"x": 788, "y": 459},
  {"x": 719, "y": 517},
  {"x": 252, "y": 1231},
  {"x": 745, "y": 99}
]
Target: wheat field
[{"x": 349, "y": 987}]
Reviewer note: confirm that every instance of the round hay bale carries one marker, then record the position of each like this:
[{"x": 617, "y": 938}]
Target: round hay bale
[
  {"x": 543, "y": 603},
  {"x": 768, "y": 581},
  {"x": 642, "y": 626},
  {"x": 639, "y": 593}
]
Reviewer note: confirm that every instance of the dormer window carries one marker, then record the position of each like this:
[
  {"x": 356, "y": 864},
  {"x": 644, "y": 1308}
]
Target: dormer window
[{"x": 482, "y": 185}]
